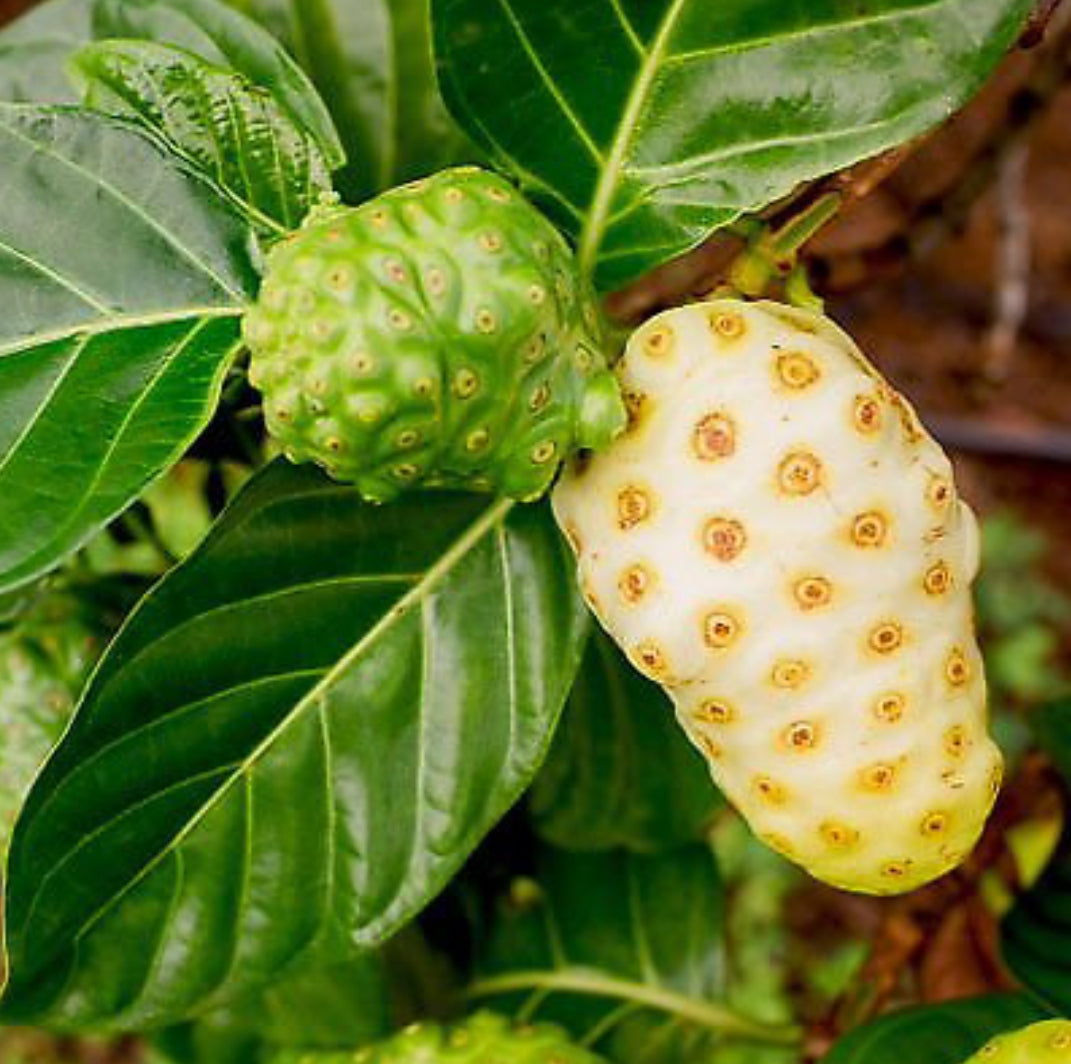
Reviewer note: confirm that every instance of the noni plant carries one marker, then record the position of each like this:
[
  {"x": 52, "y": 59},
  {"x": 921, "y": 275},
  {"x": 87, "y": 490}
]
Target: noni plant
[{"x": 517, "y": 561}]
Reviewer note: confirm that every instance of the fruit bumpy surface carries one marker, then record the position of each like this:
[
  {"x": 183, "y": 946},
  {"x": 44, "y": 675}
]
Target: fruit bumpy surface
[
  {"x": 1048, "y": 1042},
  {"x": 778, "y": 541},
  {"x": 437, "y": 335},
  {"x": 482, "y": 1039}
]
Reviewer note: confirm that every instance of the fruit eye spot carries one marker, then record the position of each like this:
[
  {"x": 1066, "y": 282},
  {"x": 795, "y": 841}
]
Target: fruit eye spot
[
  {"x": 890, "y": 708},
  {"x": 424, "y": 387},
  {"x": 727, "y": 325},
  {"x": 839, "y": 835},
  {"x": 634, "y": 583},
  {"x": 896, "y": 869},
  {"x": 499, "y": 195},
  {"x": 660, "y": 342},
  {"x": 405, "y": 471},
  {"x": 720, "y": 630},
  {"x": 379, "y": 219},
  {"x": 542, "y": 252},
  {"x": 651, "y": 660},
  {"x": 996, "y": 778},
  {"x": 361, "y": 363},
  {"x": 867, "y": 414},
  {"x": 436, "y": 280},
  {"x": 465, "y": 384},
  {"x": 800, "y": 736},
  {"x": 407, "y": 438},
  {"x": 879, "y": 777},
  {"x": 537, "y": 295},
  {"x": 486, "y": 321},
  {"x": 800, "y": 473},
  {"x": 870, "y": 530},
  {"x": 491, "y": 242},
  {"x": 938, "y": 579},
  {"x": 714, "y": 437},
  {"x": 534, "y": 349},
  {"x": 477, "y": 440},
  {"x": 544, "y": 452},
  {"x": 934, "y": 824},
  {"x": 957, "y": 669},
  {"x": 770, "y": 791},
  {"x": 540, "y": 398},
  {"x": 396, "y": 271},
  {"x": 939, "y": 493},
  {"x": 813, "y": 592},
  {"x": 400, "y": 320},
  {"x": 724, "y": 538},
  {"x": 797, "y": 371},
  {"x": 714, "y": 711},
  {"x": 710, "y": 748},
  {"x": 956, "y": 741},
  {"x": 887, "y": 637},
  {"x": 633, "y": 507},
  {"x": 340, "y": 279},
  {"x": 790, "y": 674}
]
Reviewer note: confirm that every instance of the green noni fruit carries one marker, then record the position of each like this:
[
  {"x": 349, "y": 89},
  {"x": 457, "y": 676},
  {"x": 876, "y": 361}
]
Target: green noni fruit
[
  {"x": 438, "y": 335},
  {"x": 45, "y": 658},
  {"x": 1048, "y": 1042},
  {"x": 482, "y": 1039}
]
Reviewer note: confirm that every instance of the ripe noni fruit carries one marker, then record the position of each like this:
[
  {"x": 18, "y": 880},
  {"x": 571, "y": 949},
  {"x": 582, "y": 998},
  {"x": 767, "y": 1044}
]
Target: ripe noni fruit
[
  {"x": 482, "y": 1039},
  {"x": 437, "y": 335},
  {"x": 778, "y": 541},
  {"x": 1048, "y": 1042}
]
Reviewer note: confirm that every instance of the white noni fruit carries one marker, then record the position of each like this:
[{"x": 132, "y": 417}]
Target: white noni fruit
[
  {"x": 1048, "y": 1042},
  {"x": 778, "y": 542}
]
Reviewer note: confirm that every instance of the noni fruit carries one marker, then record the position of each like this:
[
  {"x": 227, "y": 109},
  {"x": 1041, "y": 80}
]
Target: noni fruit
[
  {"x": 778, "y": 541},
  {"x": 45, "y": 658},
  {"x": 1048, "y": 1042},
  {"x": 482, "y": 1039},
  {"x": 437, "y": 335}
]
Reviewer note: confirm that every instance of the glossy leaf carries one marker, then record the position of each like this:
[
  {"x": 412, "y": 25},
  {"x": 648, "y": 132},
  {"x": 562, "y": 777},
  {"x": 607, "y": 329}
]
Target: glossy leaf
[
  {"x": 225, "y": 38},
  {"x": 1036, "y": 934},
  {"x": 624, "y": 950},
  {"x": 372, "y": 62},
  {"x": 237, "y": 134},
  {"x": 34, "y": 51},
  {"x": 645, "y": 124},
  {"x": 122, "y": 276},
  {"x": 937, "y": 1034},
  {"x": 621, "y": 772},
  {"x": 294, "y": 743}
]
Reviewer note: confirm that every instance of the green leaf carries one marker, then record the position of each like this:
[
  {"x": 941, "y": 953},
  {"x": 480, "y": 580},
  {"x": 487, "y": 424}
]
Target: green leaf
[
  {"x": 123, "y": 276},
  {"x": 1036, "y": 934},
  {"x": 643, "y": 125},
  {"x": 1052, "y": 727},
  {"x": 624, "y": 950},
  {"x": 937, "y": 1034},
  {"x": 292, "y": 746},
  {"x": 225, "y": 38},
  {"x": 372, "y": 62},
  {"x": 621, "y": 772},
  {"x": 237, "y": 134},
  {"x": 34, "y": 51}
]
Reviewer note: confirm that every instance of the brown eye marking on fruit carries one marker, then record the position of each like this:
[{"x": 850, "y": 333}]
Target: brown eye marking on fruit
[
  {"x": 878, "y": 777},
  {"x": 799, "y": 473},
  {"x": 542, "y": 251},
  {"x": 934, "y": 825},
  {"x": 956, "y": 741},
  {"x": 721, "y": 629},
  {"x": 544, "y": 452},
  {"x": 340, "y": 278},
  {"x": 396, "y": 271},
  {"x": 953, "y": 780},
  {"x": 957, "y": 668},
  {"x": 583, "y": 359},
  {"x": 896, "y": 869},
  {"x": 400, "y": 320},
  {"x": 362, "y": 363},
  {"x": 535, "y": 349},
  {"x": 424, "y": 387},
  {"x": 838, "y": 835},
  {"x": 651, "y": 660},
  {"x": 635, "y": 404},
  {"x": 938, "y": 579},
  {"x": 889, "y": 708},
  {"x": 634, "y": 583},
  {"x": 282, "y": 413},
  {"x": 939, "y": 493},
  {"x": 801, "y": 736},
  {"x": 466, "y": 383},
  {"x": 724, "y": 538},
  {"x": 491, "y": 242},
  {"x": 404, "y": 471},
  {"x": 769, "y": 790},
  {"x": 334, "y": 444},
  {"x": 887, "y": 637},
  {"x": 537, "y": 295},
  {"x": 812, "y": 592},
  {"x": 634, "y": 506},
  {"x": 477, "y": 440},
  {"x": 539, "y": 399},
  {"x": 797, "y": 370},
  {"x": 870, "y": 529},
  {"x": 379, "y": 219},
  {"x": 714, "y": 711},
  {"x": 486, "y": 321},
  {"x": 499, "y": 195},
  {"x": 996, "y": 778},
  {"x": 660, "y": 342},
  {"x": 790, "y": 674},
  {"x": 866, "y": 414},
  {"x": 908, "y": 419},
  {"x": 714, "y": 437},
  {"x": 321, "y": 330},
  {"x": 728, "y": 325},
  {"x": 1060, "y": 1040},
  {"x": 407, "y": 438}
]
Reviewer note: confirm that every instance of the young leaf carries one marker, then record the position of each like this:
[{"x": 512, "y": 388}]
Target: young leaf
[
  {"x": 297, "y": 739},
  {"x": 123, "y": 276},
  {"x": 624, "y": 950},
  {"x": 645, "y": 124},
  {"x": 225, "y": 38},
  {"x": 372, "y": 62},
  {"x": 34, "y": 51},
  {"x": 236, "y": 133},
  {"x": 937, "y": 1034},
  {"x": 620, "y": 771}
]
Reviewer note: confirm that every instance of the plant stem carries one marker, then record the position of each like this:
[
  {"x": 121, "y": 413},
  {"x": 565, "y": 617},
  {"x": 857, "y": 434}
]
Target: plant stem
[{"x": 709, "y": 1014}]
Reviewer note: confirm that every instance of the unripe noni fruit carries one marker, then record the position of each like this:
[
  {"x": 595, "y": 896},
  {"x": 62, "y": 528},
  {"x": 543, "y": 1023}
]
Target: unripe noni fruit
[
  {"x": 778, "y": 541},
  {"x": 439, "y": 335},
  {"x": 1048, "y": 1042},
  {"x": 482, "y": 1039}
]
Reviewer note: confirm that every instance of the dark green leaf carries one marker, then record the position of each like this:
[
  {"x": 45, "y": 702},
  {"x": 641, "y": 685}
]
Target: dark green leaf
[
  {"x": 1052, "y": 727},
  {"x": 34, "y": 51},
  {"x": 294, "y": 743},
  {"x": 122, "y": 276},
  {"x": 371, "y": 61},
  {"x": 624, "y": 950},
  {"x": 1036, "y": 934},
  {"x": 935, "y": 1034},
  {"x": 225, "y": 38},
  {"x": 645, "y": 124},
  {"x": 236, "y": 133},
  {"x": 621, "y": 772}
]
